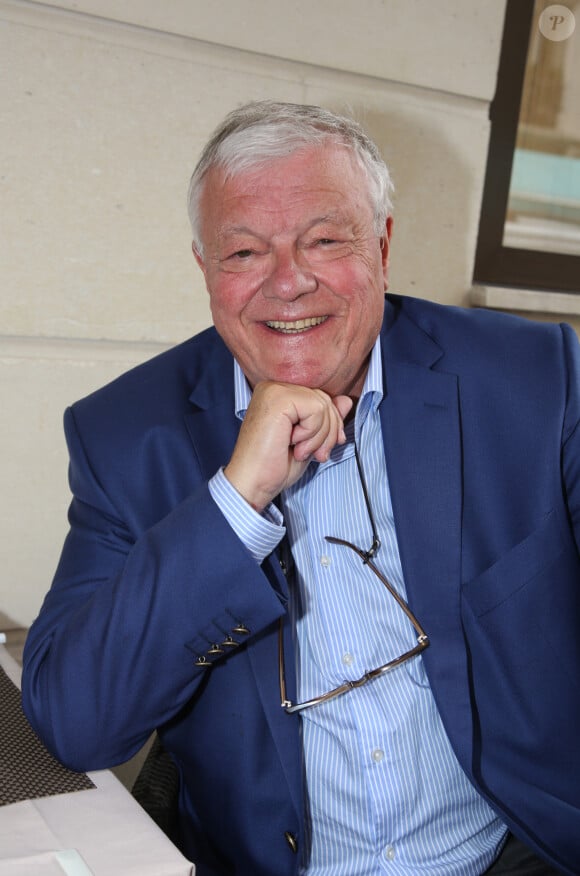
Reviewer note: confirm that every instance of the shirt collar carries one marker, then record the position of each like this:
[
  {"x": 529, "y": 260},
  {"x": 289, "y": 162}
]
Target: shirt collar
[{"x": 370, "y": 399}]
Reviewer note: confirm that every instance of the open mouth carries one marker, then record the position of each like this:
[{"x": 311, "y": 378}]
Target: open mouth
[{"x": 296, "y": 326}]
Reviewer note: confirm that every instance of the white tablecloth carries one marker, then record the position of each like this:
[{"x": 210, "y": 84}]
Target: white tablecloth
[{"x": 101, "y": 831}]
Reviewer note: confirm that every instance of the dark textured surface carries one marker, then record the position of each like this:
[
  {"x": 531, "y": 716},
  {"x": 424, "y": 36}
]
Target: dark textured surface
[{"x": 27, "y": 769}]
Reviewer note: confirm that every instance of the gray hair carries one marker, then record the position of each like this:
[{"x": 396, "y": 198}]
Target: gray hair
[{"x": 262, "y": 131}]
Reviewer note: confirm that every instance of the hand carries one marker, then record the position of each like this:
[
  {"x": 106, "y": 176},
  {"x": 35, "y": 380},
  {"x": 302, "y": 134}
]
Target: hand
[{"x": 284, "y": 428}]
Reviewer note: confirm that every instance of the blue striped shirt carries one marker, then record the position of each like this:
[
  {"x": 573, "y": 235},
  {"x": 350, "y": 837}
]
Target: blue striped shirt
[{"x": 384, "y": 791}]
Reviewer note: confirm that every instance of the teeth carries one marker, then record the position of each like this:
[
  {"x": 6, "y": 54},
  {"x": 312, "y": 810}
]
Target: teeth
[{"x": 299, "y": 325}]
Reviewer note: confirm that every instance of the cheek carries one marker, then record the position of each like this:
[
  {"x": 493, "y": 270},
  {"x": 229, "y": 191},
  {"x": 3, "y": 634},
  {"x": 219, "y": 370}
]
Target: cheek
[
  {"x": 236, "y": 290},
  {"x": 224, "y": 314},
  {"x": 227, "y": 298},
  {"x": 367, "y": 304},
  {"x": 230, "y": 305},
  {"x": 355, "y": 279}
]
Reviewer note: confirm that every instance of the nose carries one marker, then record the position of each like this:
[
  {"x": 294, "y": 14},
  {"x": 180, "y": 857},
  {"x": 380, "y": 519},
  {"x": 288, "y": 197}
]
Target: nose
[{"x": 290, "y": 276}]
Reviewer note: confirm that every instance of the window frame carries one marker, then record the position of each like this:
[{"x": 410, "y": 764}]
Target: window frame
[{"x": 496, "y": 264}]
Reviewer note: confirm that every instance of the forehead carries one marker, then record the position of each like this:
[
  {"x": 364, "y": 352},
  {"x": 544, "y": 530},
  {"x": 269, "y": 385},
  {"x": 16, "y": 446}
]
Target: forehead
[{"x": 328, "y": 179}]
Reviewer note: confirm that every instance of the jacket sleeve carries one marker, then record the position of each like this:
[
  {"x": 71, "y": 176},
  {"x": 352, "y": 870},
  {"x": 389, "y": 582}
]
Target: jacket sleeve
[{"x": 113, "y": 652}]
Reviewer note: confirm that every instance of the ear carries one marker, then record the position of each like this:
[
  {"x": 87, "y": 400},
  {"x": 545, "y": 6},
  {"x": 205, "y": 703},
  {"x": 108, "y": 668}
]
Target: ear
[
  {"x": 199, "y": 259},
  {"x": 385, "y": 249}
]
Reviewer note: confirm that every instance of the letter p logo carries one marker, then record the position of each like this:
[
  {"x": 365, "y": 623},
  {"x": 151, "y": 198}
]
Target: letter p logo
[{"x": 557, "y": 23}]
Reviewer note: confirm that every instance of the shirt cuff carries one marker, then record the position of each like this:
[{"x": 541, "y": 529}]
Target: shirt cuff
[{"x": 260, "y": 533}]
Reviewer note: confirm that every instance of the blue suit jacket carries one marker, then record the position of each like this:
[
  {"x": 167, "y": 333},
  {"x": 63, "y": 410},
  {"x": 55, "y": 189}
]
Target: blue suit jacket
[{"x": 479, "y": 420}]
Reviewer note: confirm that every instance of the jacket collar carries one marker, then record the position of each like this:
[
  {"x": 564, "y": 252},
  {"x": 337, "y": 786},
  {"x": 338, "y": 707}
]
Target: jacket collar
[{"x": 421, "y": 429}]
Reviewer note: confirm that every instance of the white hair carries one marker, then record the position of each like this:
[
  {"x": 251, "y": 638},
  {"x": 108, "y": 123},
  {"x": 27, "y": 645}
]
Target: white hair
[{"x": 262, "y": 131}]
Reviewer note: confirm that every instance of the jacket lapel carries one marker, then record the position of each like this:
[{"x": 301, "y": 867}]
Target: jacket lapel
[
  {"x": 214, "y": 428},
  {"x": 211, "y": 422},
  {"x": 421, "y": 429}
]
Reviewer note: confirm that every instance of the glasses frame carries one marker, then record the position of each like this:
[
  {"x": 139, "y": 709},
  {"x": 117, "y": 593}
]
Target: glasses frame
[{"x": 422, "y": 643}]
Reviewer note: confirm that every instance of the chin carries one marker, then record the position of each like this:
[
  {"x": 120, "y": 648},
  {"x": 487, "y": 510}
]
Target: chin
[{"x": 302, "y": 378}]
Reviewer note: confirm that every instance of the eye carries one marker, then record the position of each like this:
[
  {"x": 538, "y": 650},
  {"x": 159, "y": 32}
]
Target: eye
[{"x": 242, "y": 254}]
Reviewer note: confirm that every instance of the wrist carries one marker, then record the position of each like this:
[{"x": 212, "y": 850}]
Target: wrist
[{"x": 255, "y": 497}]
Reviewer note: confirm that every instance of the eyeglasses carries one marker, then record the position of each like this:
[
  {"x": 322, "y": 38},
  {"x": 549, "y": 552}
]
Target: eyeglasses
[{"x": 367, "y": 559}]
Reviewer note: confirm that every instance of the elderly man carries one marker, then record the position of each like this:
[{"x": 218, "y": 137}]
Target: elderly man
[{"x": 328, "y": 548}]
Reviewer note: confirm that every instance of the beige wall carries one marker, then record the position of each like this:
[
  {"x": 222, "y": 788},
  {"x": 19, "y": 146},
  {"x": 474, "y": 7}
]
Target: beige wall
[{"x": 104, "y": 105}]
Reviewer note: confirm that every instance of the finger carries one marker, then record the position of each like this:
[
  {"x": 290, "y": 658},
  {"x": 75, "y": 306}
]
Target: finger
[
  {"x": 340, "y": 408},
  {"x": 343, "y": 404},
  {"x": 314, "y": 412},
  {"x": 320, "y": 443}
]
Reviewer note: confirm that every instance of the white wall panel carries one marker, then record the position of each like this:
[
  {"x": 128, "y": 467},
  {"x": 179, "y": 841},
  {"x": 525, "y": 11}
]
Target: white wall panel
[
  {"x": 35, "y": 387},
  {"x": 449, "y": 45},
  {"x": 104, "y": 106}
]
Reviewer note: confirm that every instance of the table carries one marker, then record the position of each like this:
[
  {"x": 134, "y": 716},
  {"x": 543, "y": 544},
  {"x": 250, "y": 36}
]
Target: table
[
  {"x": 97, "y": 832},
  {"x": 13, "y": 635}
]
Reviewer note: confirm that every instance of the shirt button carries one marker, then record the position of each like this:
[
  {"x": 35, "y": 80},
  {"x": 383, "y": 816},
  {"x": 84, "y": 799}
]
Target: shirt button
[
  {"x": 324, "y": 560},
  {"x": 347, "y": 659},
  {"x": 390, "y": 853},
  {"x": 377, "y": 756}
]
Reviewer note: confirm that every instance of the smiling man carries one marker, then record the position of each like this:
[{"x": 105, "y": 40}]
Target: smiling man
[
  {"x": 328, "y": 547},
  {"x": 296, "y": 269}
]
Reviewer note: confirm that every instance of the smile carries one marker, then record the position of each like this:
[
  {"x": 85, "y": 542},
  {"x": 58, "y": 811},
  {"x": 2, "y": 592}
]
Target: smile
[{"x": 298, "y": 325}]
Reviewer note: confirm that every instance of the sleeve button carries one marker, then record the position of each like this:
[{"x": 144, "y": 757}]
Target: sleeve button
[
  {"x": 203, "y": 662},
  {"x": 228, "y": 642}
]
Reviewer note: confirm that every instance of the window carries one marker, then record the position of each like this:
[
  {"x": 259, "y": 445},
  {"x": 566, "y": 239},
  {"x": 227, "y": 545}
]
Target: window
[{"x": 529, "y": 235}]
